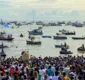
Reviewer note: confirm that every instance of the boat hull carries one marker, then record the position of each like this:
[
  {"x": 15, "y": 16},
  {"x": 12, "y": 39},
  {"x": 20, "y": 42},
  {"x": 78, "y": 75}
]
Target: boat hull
[
  {"x": 46, "y": 37},
  {"x": 69, "y": 33},
  {"x": 7, "y": 39},
  {"x": 59, "y": 37},
  {"x": 78, "y": 38},
  {"x": 80, "y": 49},
  {"x": 65, "y": 52},
  {"x": 3, "y": 46},
  {"x": 60, "y": 46},
  {"x": 33, "y": 43},
  {"x": 35, "y": 33}
]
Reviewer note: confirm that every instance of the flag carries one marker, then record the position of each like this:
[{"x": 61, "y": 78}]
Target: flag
[{"x": 5, "y": 25}]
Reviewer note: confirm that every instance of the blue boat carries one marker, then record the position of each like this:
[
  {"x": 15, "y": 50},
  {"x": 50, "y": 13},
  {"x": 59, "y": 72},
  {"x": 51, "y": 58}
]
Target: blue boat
[
  {"x": 60, "y": 46},
  {"x": 60, "y": 37},
  {"x": 46, "y": 36},
  {"x": 36, "y": 32}
]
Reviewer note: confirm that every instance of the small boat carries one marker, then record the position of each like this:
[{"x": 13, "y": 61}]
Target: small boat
[
  {"x": 6, "y": 38},
  {"x": 64, "y": 51},
  {"x": 46, "y": 36},
  {"x": 60, "y": 46},
  {"x": 78, "y": 38},
  {"x": 36, "y": 32},
  {"x": 33, "y": 42},
  {"x": 82, "y": 49},
  {"x": 69, "y": 33},
  {"x": 60, "y": 37}
]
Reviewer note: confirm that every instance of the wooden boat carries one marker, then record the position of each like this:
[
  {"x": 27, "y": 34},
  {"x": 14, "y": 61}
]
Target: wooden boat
[
  {"x": 36, "y": 32},
  {"x": 33, "y": 42},
  {"x": 82, "y": 49},
  {"x": 60, "y": 37},
  {"x": 65, "y": 52},
  {"x": 78, "y": 38},
  {"x": 46, "y": 36},
  {"x": 69, "y": 33},
  {"x": 6, "y": 38}
]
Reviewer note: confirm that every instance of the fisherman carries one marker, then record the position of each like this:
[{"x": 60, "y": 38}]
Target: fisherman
[
  {"x": 83, "y": 46},
  {"x": 65, "y": 44},
  {"x": 63, "y": 49}
]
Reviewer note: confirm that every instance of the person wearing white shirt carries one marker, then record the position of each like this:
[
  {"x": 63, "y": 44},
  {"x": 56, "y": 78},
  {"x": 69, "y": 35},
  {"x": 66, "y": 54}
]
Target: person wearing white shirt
[{"x": 56, "y": 76}]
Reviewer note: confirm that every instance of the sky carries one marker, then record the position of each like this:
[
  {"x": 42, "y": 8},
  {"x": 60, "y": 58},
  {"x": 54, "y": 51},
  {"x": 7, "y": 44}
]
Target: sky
[{"x": 45, "y": 10}]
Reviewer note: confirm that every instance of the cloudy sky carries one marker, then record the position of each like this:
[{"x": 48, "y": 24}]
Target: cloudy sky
[{"x": 42, "y": 9}]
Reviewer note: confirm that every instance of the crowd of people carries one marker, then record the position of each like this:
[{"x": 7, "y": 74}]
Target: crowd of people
[{"x": 47, "y": 68}]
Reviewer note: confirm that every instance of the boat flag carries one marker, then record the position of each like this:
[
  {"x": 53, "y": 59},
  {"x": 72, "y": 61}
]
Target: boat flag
[{"x": 5, "y": 25}]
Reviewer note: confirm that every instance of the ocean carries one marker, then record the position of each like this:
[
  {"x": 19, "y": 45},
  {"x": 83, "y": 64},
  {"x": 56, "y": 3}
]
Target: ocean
[{"x": 48, "y": 44}]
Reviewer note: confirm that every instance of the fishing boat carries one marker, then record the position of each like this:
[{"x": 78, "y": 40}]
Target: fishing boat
[
  {"x": 69, "y": 33},
  {"x": 46, "y": 36},
  {"x": 6, "y": 37},
  {"x": 64, "y": 51},
  {"x": 78, "y": 38},
  {"x": 60, "y": 37},
  {"x": 82, "y": 49},
  {"x": 33, "y": 42},
  {"x": 36, "y": 31}
]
